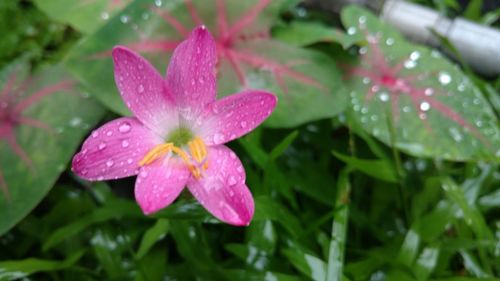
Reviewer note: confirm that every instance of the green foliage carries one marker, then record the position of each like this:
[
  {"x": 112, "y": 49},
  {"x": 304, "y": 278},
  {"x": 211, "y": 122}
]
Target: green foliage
[{"x": 338, "y": 197}]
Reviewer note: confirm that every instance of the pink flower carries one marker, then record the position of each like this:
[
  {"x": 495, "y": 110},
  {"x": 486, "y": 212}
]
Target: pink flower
[{"x": 176, "y": 137}]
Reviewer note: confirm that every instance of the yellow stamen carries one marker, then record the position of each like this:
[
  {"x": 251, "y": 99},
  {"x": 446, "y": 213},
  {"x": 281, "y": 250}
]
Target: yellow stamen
[
  {"x": 197, "y": 150},
  {"x": 156, "y": 153}
]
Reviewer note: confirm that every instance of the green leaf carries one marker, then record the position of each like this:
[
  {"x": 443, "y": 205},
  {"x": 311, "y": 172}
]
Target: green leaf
[
  {"x": 309, "y": 265},
  {"x": 17, "y": 269},
  {"x": 152, "y": 235},
  {"x": 338, "y": 240},
  {"x": 53, "y": 115},
  {"x": 379, "y": 169},
  {"x": 283, "y": 145},
  {"x": 305, "y": 81},
  {"x": 83, "y": 15},
  {"x": 112, "y": 210},
  {"x": 435, "y": 109},
  {"x": 307, "y": 33}
]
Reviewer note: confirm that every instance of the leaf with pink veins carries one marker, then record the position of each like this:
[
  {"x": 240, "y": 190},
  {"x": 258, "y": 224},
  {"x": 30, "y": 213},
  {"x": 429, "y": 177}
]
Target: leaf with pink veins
[
  {"x": 42, "y": 120},
  {"x": 434, "y": 108},
  {"x": 85, "y": 16},
  {"x": 306, "y": 82}
]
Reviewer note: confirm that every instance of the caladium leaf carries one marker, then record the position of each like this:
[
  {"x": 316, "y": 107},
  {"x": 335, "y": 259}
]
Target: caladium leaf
[
  {"x": 305, "y": 33},
  {"x": 42, "y": 120},
  {"x": 305, "y": 81},
  {"x": 412, "y": 97},
  {"x": 85, "y": 16}
]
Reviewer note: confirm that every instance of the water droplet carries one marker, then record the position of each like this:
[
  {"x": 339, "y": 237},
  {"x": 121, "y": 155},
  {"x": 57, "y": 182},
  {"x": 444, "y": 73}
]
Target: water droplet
[
  {"x": 125, "y": 143},
  {"x": 143, "y": 174},
  {"x": 140, "y": 89},
  {"x": 74, "y": 122},
  {"x": 425, "y": 106},
  {"x": 455, "y": 134},
  {"x": 406, "y": 109},
  {"x": 130, "y": 160},
  {"x": 124, "y": 19},
  {"x": 243, "y": 124},
  {"x": 429, "y": 92},
  {"x": 384, "y": 97},
  {"x": 362, "y": 20},
  {"x": 363, "y": 50},
  {"x": 410, "y": 64},
  {"x": 219, "y": 138},
  {"x": 232, "y": 181},
  {"x": 444, "y": 78},
  {"x": 375, "y": 88},
  {"x": 351, "y": 30},
  {"x": 104, "y": 16},
  {"x": 124, "y": 127},
  {"x": 95, "y": 134},
  {"x": 158, "y": 3},
  {"x": 422, "y": 116},
  {"x": 102, "y": 146},
  {"x": 100, "y": 178},
  {"x": 415, "y": 55},
  {"x": 389, "y": 41},
  {"x": 109, "y": 133},
  {"x": 366, "y": 80},
  {"x": 109, "y": 163}
]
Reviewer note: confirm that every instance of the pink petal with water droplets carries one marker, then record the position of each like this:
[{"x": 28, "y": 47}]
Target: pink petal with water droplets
[
  {"x": 159, "y": 184},
  {"x": 143, "y": 90},
  {"x": 235, "y": 115},
  {"x": 191, "y": 72},
  {"x": 114, "y": 150},
  {"x": 222, "y": 189}
]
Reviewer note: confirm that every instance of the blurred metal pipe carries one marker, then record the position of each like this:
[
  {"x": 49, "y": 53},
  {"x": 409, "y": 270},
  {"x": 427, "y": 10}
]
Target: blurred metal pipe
[{"x": 478, "y": 45}]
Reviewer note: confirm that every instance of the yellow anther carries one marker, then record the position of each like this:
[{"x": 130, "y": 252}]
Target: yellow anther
[
  {"x": 156, "y": 153},
  {"x": 197, "y": 150}
]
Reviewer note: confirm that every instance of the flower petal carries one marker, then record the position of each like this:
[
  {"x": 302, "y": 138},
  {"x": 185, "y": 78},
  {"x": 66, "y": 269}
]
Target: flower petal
[
  {"x": 191, "y": 72},
  {"x": 144, "y": 91},
  {"x": 114, "y": 150},
  {"x": 222, "y": 190},
  {"x": 159, "y": 184},
  {"x": 235, "y": 115}
]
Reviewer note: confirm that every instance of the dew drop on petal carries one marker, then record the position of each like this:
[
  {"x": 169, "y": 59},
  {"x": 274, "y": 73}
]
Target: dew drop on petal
[
  {"x": 218, "y": 138},
  {"x": 109, "y": 163},
  {"x": 140, "y": 89},
  {"x": 125, "y": 144},
  {"x": 124, "y": 127},
  {"x": 232, "y": 181},
  {"x": 425, "y": 106},
  {"x": 102, "y": 146},
  {"x": 243, "y": 124},
  {"x": 95, "y": 134},
  {"x": 109, "y": 133}
]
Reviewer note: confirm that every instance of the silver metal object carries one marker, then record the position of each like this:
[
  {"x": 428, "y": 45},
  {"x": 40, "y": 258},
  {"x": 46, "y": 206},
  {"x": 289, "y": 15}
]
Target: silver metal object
[{"x": 478, "y": 45}]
